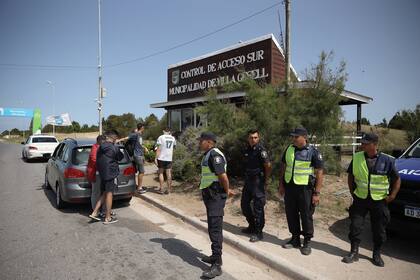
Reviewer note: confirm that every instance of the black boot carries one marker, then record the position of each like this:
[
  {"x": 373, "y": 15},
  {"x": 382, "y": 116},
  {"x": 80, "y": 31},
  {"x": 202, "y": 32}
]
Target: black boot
[
  {"x": 212, "y": 259},
  {"x": 215, "y": 270},
  {"x": 376, "y": 258},
  {"x": 294, "y": 242},
  {"x": 353, "y": 256},
  {"x": 306, "y": 248},
  {"x": 256, "y": 237}
]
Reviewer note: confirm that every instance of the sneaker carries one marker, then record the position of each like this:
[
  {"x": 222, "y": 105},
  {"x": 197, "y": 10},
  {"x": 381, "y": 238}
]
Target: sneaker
[
  {"x": 256, "y": 237},
  {"x": 110, "y": 221},
  {"x": 102, "y": 214},
  {"x": 160, "y": 191},
  {"x": 141, "y": 191},
  {"x": 166, "y": 192},
  {"x": 96, "y": 218}
]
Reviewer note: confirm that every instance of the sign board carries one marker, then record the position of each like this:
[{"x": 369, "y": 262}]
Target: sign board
[
  {"x": 16, "y": 112},
  {"x": 192, "y": 79},
  {"x": 61, "y": 120}
]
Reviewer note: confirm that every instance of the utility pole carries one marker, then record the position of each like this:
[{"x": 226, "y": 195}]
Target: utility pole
[
  {"x": 99, "y": 67},
  {"x": 287, "y": 8}
]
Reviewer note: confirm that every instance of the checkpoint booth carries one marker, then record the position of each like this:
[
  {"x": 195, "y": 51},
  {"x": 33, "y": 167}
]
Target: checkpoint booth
[{"x": 261, "y": 59}]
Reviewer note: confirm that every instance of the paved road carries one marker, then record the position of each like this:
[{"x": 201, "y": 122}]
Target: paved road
[{"x": 37, "y": 241}]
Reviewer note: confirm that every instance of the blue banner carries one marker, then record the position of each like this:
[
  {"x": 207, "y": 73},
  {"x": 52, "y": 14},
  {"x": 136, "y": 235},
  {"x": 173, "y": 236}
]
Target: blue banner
[{"x": 16, "y": 112}]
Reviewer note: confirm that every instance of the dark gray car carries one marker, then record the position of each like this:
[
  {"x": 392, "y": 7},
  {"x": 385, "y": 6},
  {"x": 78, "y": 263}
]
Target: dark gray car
[{"x": 65, "y": 173}]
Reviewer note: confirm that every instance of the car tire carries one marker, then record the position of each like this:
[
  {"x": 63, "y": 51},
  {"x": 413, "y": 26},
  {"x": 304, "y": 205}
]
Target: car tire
[
  {"x": 126, "y": 200},
  {"x": 46, "y": 184},
  {"x": 59, "y": 202}
]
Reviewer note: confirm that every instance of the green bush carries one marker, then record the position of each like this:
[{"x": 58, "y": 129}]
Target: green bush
[{"x": 187, "y": 157}]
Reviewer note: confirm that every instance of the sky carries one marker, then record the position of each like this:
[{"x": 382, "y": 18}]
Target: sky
[{"x": 57, "y": 41}]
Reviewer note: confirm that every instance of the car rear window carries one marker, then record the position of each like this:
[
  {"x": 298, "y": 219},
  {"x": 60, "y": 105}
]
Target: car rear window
[
  {"x": 81, "y": 155},
  {"x": 44, "y": 140}
]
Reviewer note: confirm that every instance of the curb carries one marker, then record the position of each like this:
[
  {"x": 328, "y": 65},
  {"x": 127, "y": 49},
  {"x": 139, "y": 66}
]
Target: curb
[{"x": 276, "y": 262}]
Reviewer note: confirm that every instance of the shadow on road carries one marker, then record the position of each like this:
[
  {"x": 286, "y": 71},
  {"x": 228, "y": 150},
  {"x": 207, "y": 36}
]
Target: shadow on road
[
  {"x": 183, "y": 250},
  {"x": 401, "y": 246},
  {"x": 83, "y": 209}
]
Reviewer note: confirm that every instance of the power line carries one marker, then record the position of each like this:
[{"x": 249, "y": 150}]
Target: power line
[
  {"x": 11, "y": 66},
  {"x": 48, "y": 67},
  {"x": 194, "y": 40}
]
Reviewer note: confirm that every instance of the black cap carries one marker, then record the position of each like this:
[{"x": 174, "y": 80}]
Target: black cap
[
  {"x": 369, "y": 138},
  {"x": 299, "y": 131},
  {"x": 207, "y": 136}
]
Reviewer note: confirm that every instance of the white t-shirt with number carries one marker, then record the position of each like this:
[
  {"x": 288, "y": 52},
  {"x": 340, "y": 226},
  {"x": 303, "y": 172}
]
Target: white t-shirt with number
[{"x": 166, "y": 145}]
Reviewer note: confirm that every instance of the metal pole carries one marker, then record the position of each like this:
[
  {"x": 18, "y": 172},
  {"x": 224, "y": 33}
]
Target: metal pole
[
  {"x": 53, "y": 92},
  {"x": 287, "y": 58},
  {"x": 99, "y": 68}
]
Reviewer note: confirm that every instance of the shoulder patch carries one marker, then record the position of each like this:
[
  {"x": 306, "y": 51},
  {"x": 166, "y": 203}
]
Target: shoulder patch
[
  {"x": 264, "y": 154},
  {"x": 218, "y": 159}
]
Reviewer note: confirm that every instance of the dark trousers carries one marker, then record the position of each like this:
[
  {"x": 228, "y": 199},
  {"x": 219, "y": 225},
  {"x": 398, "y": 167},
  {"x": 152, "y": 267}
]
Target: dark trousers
[
  {"x": 379, "y": 218},
  {"x": 299, "y": 208},
  {"x": 214, "y": 200},
  {"x": 253, "y": 202}
]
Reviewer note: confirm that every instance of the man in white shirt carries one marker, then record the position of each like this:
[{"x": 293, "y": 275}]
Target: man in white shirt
[{"x": 165, "y": 147}]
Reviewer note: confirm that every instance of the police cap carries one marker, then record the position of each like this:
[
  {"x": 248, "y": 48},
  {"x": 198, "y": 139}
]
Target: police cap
[
  {"x": 369, "y": 138},
  {"x": 299, "y": 131}
]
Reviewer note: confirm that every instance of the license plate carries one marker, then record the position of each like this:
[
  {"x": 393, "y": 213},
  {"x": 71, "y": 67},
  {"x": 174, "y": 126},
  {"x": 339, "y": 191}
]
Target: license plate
[
  {"x": 412, "y": 212},
  {"x": 122, "y": 182}
]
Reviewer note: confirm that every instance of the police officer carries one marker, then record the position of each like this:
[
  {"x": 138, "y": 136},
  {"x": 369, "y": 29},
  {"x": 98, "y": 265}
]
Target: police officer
[
  {"x": 300, "y": 183},
  {"x": 370, "y": 175},
  {"x": 257, "y": 172},
  {"x": 215, "y": 189}
]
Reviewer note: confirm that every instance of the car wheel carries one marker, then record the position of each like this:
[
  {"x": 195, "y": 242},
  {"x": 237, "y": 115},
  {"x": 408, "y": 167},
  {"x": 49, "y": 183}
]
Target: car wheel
[
  {"x": 126, "y": 200},
  {"x": 46, "y": 184},
  {"x": 59, "y": 202}
]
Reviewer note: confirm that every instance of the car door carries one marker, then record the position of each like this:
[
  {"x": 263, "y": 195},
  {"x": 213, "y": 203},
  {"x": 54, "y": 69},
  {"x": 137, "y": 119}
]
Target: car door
[
  {"x": 54, "y": 172},
  {"x": 51, "y": 165}
]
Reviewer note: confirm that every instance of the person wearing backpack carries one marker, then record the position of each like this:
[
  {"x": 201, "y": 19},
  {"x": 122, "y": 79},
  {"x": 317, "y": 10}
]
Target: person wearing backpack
[{"x": 134, "y": 145}]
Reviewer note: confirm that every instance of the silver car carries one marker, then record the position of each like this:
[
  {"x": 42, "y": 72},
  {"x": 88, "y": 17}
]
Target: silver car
[{"x": 65, "y": 173}]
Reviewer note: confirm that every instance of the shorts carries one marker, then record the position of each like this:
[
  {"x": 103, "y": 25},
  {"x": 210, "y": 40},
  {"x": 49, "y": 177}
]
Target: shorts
[
  {"x": 163, "y": 164},
  {"x": 109, "y": 186},
  {"x": 139, "y": 163}
]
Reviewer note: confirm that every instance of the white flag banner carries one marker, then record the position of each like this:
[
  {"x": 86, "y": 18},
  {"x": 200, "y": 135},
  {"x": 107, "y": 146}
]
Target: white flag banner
[{"x": 61, "y": 120}]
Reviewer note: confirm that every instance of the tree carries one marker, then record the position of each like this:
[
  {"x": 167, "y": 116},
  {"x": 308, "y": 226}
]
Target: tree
[
  {"x": 365, "y": 121},
  {"x": 123, "y": 124},
  {"x": 383, "y": 124},
  {"x": 15, "y": 131}
]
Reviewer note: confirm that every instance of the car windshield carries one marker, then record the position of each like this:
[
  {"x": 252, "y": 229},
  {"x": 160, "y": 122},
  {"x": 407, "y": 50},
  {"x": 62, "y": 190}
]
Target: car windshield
[
  {"x": 81, "y": 155},
  {"x": 44, "y": 140},
  {"x": 414, "y": 152}
]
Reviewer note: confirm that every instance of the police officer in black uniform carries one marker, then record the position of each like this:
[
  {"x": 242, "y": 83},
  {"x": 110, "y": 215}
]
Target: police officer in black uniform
[
  {"x": 215, "y": 189},
  {"x": 301, "y": 176},
  {"x": 370, "y": 176},
  {"x": 257, "y": 173}
]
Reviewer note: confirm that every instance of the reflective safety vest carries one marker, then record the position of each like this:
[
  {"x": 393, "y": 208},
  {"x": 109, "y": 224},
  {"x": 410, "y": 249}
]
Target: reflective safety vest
[
  {"x": 207, "y": 176},
  {"x": 378, "y": 185},
  {"x": 300, "y": 169}
]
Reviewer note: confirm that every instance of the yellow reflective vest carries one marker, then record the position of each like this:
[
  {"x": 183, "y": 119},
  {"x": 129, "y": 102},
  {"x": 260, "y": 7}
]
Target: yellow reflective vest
[
  {"x": 207, "y": 176},
  {"x": 300, "y": 169},
  {"x": 377, "y": 185}
]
